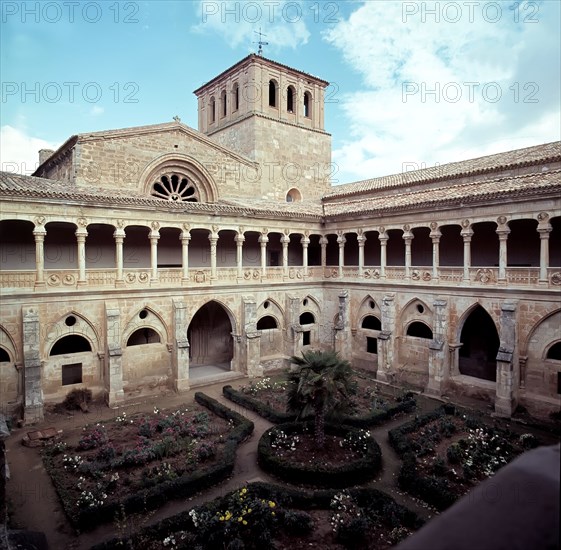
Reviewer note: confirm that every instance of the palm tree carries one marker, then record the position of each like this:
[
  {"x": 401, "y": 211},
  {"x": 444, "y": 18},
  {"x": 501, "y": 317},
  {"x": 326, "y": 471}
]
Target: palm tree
[{"x": 319, "y": 386}]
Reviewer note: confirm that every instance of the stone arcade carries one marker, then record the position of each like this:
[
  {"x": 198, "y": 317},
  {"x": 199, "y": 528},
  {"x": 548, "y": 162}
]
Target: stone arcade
[{"x": 156, "y": 257}]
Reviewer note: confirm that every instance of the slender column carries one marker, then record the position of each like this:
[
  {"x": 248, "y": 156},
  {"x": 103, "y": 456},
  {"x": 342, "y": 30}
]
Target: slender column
[
  {"x": 285, "y": 239},
  {"x": 323, "y": 244},
  {"x": 154, "y": 235},
  {"x": 305, "y": 241},
  {"x": 502, "y": 231},
  {"x": 341, "y": 242},
  {"x": 544, "y": 229},
  {"x": 213, "y": 238},
  {"x": 239, "y": 254},
  {"x": 467, "y": 234},
  {"x": 81, "y": 234},
  {"x": 263, "y": 240},
  {"x": 361, "y": 241},
  {"x": 435, "y": 235},
  {"x": 39, "y": 234},
  {"x": 185, "y": 237},
  {"x": 383, "y": 238},
  {"x": 407, "y": 237},
  {"x": 119, "y": 236}
]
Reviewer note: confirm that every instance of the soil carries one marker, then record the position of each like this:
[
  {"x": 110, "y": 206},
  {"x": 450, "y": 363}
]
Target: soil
[{"x": 307, "y": 451}]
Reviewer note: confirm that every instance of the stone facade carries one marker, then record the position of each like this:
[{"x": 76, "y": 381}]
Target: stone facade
[{"x": 135, "y": 259}]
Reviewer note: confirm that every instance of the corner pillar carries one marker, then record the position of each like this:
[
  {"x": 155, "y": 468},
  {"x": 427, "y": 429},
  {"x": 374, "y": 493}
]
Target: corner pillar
[{"x": 32, "y": 375}]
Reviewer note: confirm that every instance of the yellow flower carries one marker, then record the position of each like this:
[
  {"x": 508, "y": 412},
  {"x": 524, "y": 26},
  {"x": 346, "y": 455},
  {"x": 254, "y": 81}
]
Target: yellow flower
[
  {"x": 244, "y": 491},
  {"x": 249, "y": 510},
  {"x": 271, "y": 504},
  {"x": 221, "y": 518},
  {"x": 240, "y": 519},
  {"x": 244, "y": 522}
]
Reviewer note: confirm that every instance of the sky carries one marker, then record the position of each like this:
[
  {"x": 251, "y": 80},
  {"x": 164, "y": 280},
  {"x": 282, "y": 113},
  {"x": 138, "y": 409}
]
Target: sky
[{"x": 412, "y": 84}]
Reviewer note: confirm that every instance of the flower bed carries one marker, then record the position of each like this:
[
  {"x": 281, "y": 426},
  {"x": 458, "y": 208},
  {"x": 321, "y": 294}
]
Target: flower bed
[
  {"x": 448, "y": 451},
  {"x": 351, "y": 456},
  {"x": 371, "y": 405},
  {"x": 139, "y": 462},
  {"x": 263, "y": 515}
]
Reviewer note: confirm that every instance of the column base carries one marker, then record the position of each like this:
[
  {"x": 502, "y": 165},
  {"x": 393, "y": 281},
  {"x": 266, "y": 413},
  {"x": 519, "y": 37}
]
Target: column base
[
  {"x": 32, "y": 415},
  {"x": 185, "y": 281},
  {"x": 435, "y": 388},
  {"x": 119, "y": 283},
  {"x": 81, "y": 283},
  {"x": 181, "y": 385},
  {"x": 384, "y": 376},
  {"x": 504, "y": 406},
  {"x": 42, "y": 284},
  {"x": 114, "y": 398}
]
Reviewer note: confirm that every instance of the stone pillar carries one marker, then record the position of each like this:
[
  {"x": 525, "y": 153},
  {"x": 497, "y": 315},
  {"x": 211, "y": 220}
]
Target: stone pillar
[
  {"x": 185, "y": 237},
  {"x": 114, "y": 393},
  {"x": 439, "y": 368},
  {"x": 305, "y": 242},
  {"x": 39, "y": 234},
  {"x": 81, "y": 234},
  {"x": 154, "y": 236},
  {"x": 32, "y": 368},
  {"x": 343, "y": 342},
  {"x": 386, "y": 369},
  {"x": 263, "y": 240},
  {"x": 361, "y": 239},
  {"x": 544, "y": 229},
  {"x": 285, "y": 239},
  {"x": 341, "y": 242},
  {"x": 435, "y": 235},
  {"x": 508, "y": 377},
  {"x": 323, "y": 244},
  {"x": 407, "y": 237},
  {"x": 252, "y": 339},
  {"x": 383, "y": 238},
  {"x": 239, "y": 255},
  {"x": 502, "y": 231},
  {"x": 467, "y": 234},
  {"x": 213, "y": 238},
  {"x": 119, "y": 236},
  {"x": 293, "y": 330},
  {"x": 180, "y": 352}
]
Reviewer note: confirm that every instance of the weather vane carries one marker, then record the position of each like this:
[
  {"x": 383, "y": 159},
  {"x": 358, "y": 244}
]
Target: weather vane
[{"x": 260, "y": 41}]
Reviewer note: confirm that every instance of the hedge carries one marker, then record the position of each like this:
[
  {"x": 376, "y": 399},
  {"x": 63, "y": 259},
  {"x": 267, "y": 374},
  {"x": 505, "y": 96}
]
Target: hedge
[
  {"x": 345, "y": 475},
  {"x": 157, "y": 496}
]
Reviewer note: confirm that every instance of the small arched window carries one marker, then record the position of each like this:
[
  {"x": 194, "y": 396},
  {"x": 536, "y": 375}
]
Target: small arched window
[
  {"x": 293, "y": 195},
  {"x": 73, "y": 343},
  {"x": 224, "y": 102},
  {"x": 290, "y": 99},
  {"x": 142, "y": 336},
  {"x": 419, "y": 330},
  {"x": 272, "y": 93},
  {"x": 307, "y": 104},
  {"x": 307, "y": 318},
  {"x": 212, "y": 111},
  {"x": 554, "y": 352},
  {"x": 235, "y": 97},
  {"x": 371, "y": 322},
  {"x": 267, "y": 322}
]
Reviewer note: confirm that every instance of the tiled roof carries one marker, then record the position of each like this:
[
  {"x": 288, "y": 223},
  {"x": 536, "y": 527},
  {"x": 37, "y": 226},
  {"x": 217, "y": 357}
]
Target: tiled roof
[
  {"x": 500, "y": 161},
  {"x": 527, "y": 185}
]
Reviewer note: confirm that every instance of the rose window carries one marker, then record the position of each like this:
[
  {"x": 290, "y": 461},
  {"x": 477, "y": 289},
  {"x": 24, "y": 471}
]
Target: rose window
[{"x": 175, "y": 188}]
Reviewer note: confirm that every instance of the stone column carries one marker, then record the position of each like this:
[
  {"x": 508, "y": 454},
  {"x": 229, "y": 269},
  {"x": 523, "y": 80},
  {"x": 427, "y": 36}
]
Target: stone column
[
  {"x": 341, "y": 242},
  {"x": 180, "y": 352},
  {"x": 294, "y": 329},
  {"x": 361, "y": 239},
  {"x": 239, "y": 255},
  {"x": 185, "y": 237},
  {"x": 114, "y": 393},
  {"x": 285, "y": 239},
  {"x": 119, "y": 236},
  {"x": 343, "y": 343},
  {"x": 263, "y": 240},
  {"x": 544, "y": 229},
  {"x": 386, "y": 371},
  {"x": 39, "y": 234},
  {"x": 81, "y": 234},
  {"x": 467, "y": 234},
  {"x": 407, "y": 237},
  {"x": 252, "y": 339},
  {"x": 502, "y": 231},
  {"x": 439, "y": 369},
  {"x": 213, "y": 238},
  {"x": 383, "y": 238},
  {"x": 32, "y": 368},
  {"x": 305, "y": 242},
  {"x": 323, "y": 244},
  {"x": 154, "y": 236},
  {"x": 435, "y": 235},
  {"x": 508, "y": 377}
]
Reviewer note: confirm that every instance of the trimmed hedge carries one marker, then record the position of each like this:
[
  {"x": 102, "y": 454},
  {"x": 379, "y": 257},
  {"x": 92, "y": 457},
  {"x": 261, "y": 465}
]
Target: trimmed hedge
[
  {"x": 373, "y": 501},
  {"x": 345, "y": 475},
  {"x": 374, "y": 418},
  {"x": 157, "y": 496}
]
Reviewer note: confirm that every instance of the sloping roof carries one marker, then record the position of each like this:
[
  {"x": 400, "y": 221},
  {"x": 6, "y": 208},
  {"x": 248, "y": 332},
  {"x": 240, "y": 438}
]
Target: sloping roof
[{"x": 510, "y": 159}]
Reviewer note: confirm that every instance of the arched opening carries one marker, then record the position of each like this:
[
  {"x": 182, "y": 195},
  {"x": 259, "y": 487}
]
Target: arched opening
[
  {"x": 4, "y": 356},
  {"x": 144, "y": 335},
  {"x": 371, "y": 322},
  {"x": 554, "y": 352},
  {"x": 235, "y": 97},
  {"x": 419, "y": 330},
  {"x": 272, "y": 93},
  {"x": 523, "y": 248},
  {"x": 290, "y": 99},
  {"x": 17, "y": 245},
  {"x": 307, "y": 104},
  {"x": 480, "y": 344},
  {"x": 212, "y": 112},
  {"x": 210, "y": 337},
  {"x": 307, "y": 318},
  {"x": 72, "y": 343},
  {"x": 224, "y": 103},
  {"x": 267, "y": 322},
  {"x": 293, "y": 195},
  {"x": 421, "y": 247}
]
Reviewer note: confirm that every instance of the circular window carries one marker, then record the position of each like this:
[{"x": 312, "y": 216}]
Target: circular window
[
  {"x": 143, "y": 314},
  {"x": 175, "y": 188},
  {"x": 70, "y": 321},
  {"x": 420, "y": 308},
  {"x": 372, "y": 304},
  {"x": 305, "y": 302},
  {"x": 266, "y": 304}
]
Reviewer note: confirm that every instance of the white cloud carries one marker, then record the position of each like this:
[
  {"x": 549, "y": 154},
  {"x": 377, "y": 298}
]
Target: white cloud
[
  {"x": 418, "y": 105},
  {"x": 235, "y": 21},
  {"x": 97, "y": 110},
  {"x": 19, "y": 152}
]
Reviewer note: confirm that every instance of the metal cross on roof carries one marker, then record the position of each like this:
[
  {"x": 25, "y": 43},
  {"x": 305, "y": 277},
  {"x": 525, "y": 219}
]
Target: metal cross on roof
[{"x": 260, "y": 41}]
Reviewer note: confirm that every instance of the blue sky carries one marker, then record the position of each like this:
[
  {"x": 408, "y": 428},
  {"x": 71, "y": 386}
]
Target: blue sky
[{"x": 413, "y": 84}]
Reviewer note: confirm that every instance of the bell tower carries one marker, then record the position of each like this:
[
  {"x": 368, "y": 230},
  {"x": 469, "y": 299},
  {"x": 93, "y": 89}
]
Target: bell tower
[{"x": 274, "y": 115}]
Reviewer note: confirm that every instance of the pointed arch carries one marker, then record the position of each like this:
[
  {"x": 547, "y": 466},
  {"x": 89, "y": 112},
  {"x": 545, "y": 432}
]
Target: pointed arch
[
  {"x": 148, "y": 317},
  {"x": 80, "y": 325},
  {"x": 8, "y": 343}
]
